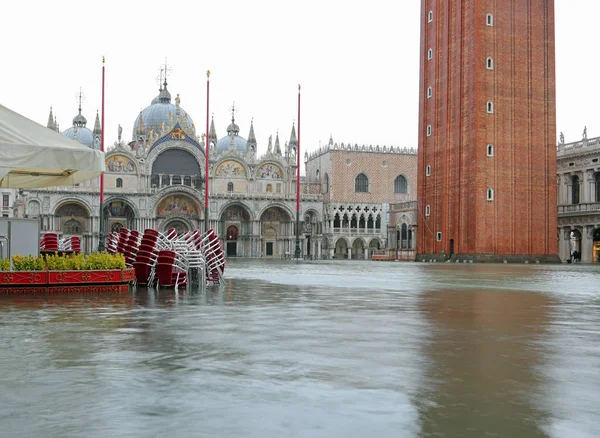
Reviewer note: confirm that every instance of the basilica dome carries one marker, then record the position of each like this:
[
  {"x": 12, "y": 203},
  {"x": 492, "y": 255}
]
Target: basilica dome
[
  {"x": 232, "y": 140},
  {"x": 79, "y": 132},
  {"x": 158, "y": 113}
]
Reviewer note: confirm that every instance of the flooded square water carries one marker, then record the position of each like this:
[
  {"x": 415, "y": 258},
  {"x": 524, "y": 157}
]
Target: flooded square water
[{"x": 313, "y": 349}]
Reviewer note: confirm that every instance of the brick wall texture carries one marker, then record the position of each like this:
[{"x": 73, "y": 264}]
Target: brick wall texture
[
  {"x": 381, "y": 168},
  {"x": 521, "y": 219}
]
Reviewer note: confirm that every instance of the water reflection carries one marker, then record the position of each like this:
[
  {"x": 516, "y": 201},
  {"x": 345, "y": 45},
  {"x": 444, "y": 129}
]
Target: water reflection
[{"x": 312, "y": 349}]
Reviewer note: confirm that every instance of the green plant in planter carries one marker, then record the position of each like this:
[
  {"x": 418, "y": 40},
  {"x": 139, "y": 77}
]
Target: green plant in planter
[
  {"x": 103, "y": 260},
  {"x": 28, "y": 263},
  {"x": 4, "y": 264}
]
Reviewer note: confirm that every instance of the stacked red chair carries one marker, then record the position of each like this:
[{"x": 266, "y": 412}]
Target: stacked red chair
[
  {"x": 211, "y": 246},
  {"x": 169, "y": 271},
  {"x": 110, "y": 244},
  {"x": 130, "y": 247},
  {"x": 71, "y": 243},
  {"x": 146, "y": 256},
  {"x": 49, "y": 242},
  {"x": 76, "y": 244}
]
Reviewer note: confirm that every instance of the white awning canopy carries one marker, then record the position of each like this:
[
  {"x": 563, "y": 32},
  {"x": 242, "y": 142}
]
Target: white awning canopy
[{"x": 32, "y": 155}]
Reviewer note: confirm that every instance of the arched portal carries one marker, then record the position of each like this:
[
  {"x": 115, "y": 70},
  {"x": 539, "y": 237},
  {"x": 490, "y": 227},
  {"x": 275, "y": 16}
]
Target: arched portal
[
  {"x": 358, "y": 249},
  {"x": 236, "y": 227},
  {"x": 596, "y": 246},
  {"x": 341, "y": 249},
  {"x": 74, "y": 220},
  {"x": 118, "y": 214},
  {"x": 277, "y": 232},
  {"x": 575, "y": 240}
]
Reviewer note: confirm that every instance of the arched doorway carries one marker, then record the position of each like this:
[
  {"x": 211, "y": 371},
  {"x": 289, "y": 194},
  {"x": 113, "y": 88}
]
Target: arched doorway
[
  {"x": 575, "y": 241},
  {"x": 358, "y": 249},
  {"x": 232, "y": 236},
  {"x": 118, "y": 214},
  {"x": 596, "y": 246},
  {"x": 241, "y": 243},
  {"x": 74, "y": 220},
  {"x": 374, "y": 245},
  {"x": 341, "y": 249},
  {"x": 277, "y": 232}
]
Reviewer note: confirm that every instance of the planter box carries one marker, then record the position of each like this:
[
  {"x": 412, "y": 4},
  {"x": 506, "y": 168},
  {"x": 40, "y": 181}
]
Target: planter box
[
  {"x": 89, "y": 289},
  {"x": 84, "y": 277},
  {"x": 23, "y": 277},
  {"x": 127, "y": 275}
]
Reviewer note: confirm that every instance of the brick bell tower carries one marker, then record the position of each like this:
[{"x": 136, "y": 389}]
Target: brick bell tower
[{"x": 487, "y": 128}]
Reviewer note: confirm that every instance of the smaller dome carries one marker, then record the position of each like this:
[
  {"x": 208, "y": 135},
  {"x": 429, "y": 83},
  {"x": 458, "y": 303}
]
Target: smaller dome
[
  {"x": 231, "y": 142},
  {"x": 81, "y": 134}
]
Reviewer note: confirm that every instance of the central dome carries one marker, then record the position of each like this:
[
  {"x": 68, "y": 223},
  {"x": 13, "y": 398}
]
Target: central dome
[{"x": 158, "y": 113}]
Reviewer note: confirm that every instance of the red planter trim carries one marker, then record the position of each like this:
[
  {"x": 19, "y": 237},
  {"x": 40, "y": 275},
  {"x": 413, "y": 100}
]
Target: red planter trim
[
  {"x": 84, "y": 277},
  {"x": 89, "y": 289},
  {"x": 23, "y": 277}
]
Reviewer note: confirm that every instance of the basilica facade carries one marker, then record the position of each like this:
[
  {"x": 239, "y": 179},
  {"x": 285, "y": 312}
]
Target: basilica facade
[{"x": 157, "y": 180}]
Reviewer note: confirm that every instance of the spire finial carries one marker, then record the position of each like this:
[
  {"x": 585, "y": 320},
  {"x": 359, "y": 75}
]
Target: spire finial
[
  {"x": 166, "y": 70},
  {"x": 80, "y": 98},
  {"x": 232, "y": 109}
]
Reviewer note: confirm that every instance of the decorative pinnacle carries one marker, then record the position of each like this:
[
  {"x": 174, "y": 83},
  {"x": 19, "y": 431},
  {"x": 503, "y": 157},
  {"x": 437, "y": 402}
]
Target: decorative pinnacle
[
  {"x": 102, "y": 59},
  {"x": 232, "y": 109},
  {"x": 166, "y": 70},
  {"x": 208, "y": 73},
  {"x": 298, "y": 87},
  {"x": 80, "y": 96}
]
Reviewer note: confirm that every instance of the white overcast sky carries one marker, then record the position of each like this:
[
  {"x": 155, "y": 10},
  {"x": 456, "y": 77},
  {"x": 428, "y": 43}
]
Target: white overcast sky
[{"x": 358, "y": 63}]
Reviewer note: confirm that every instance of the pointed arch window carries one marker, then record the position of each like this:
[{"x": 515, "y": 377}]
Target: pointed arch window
[
  {"x": 361, "y": 183},
  {"x": 489, "y": 63},
  {"x": 400, "y": 184},
  {"x": 490, "y": 194},
  {"x": 489, "y": 20},
  {"x": 490, "y": 107},
  {"x": 430, "y": 54},
  {"x": 230, "y": 187},
  {"x": 119, "y": 183},
  {"x": 326, "y": 184}
]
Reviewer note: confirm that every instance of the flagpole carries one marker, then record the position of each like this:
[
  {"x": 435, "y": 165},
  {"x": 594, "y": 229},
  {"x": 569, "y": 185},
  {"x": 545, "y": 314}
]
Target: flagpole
[
  {"x": 101, "y": 215},
  {"x": 206, "y": 149},
  {"x": 297, "y": 252}
]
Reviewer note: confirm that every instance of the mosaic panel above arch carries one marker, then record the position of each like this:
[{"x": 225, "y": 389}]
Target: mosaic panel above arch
[
  {"x": 269, "y": 171},
  {"x": 230, "y": 168},
  {"x": 118, "y": 209},
  {"x": 235, "y": 213},
  {"x": 71, "y": 209},
  {"x": 120, "y": 163},
  {"x": 177, "y": 204},
  {"x": 274, "y": 214}
]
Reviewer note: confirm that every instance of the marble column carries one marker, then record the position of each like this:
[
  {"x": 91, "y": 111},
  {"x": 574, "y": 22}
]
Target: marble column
[
  {"x": 366, "y": 251},
  {"x": 349, "y": 253},
  {"x": 587, "y": 243},
  {"x": 319, "y": 249}
]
